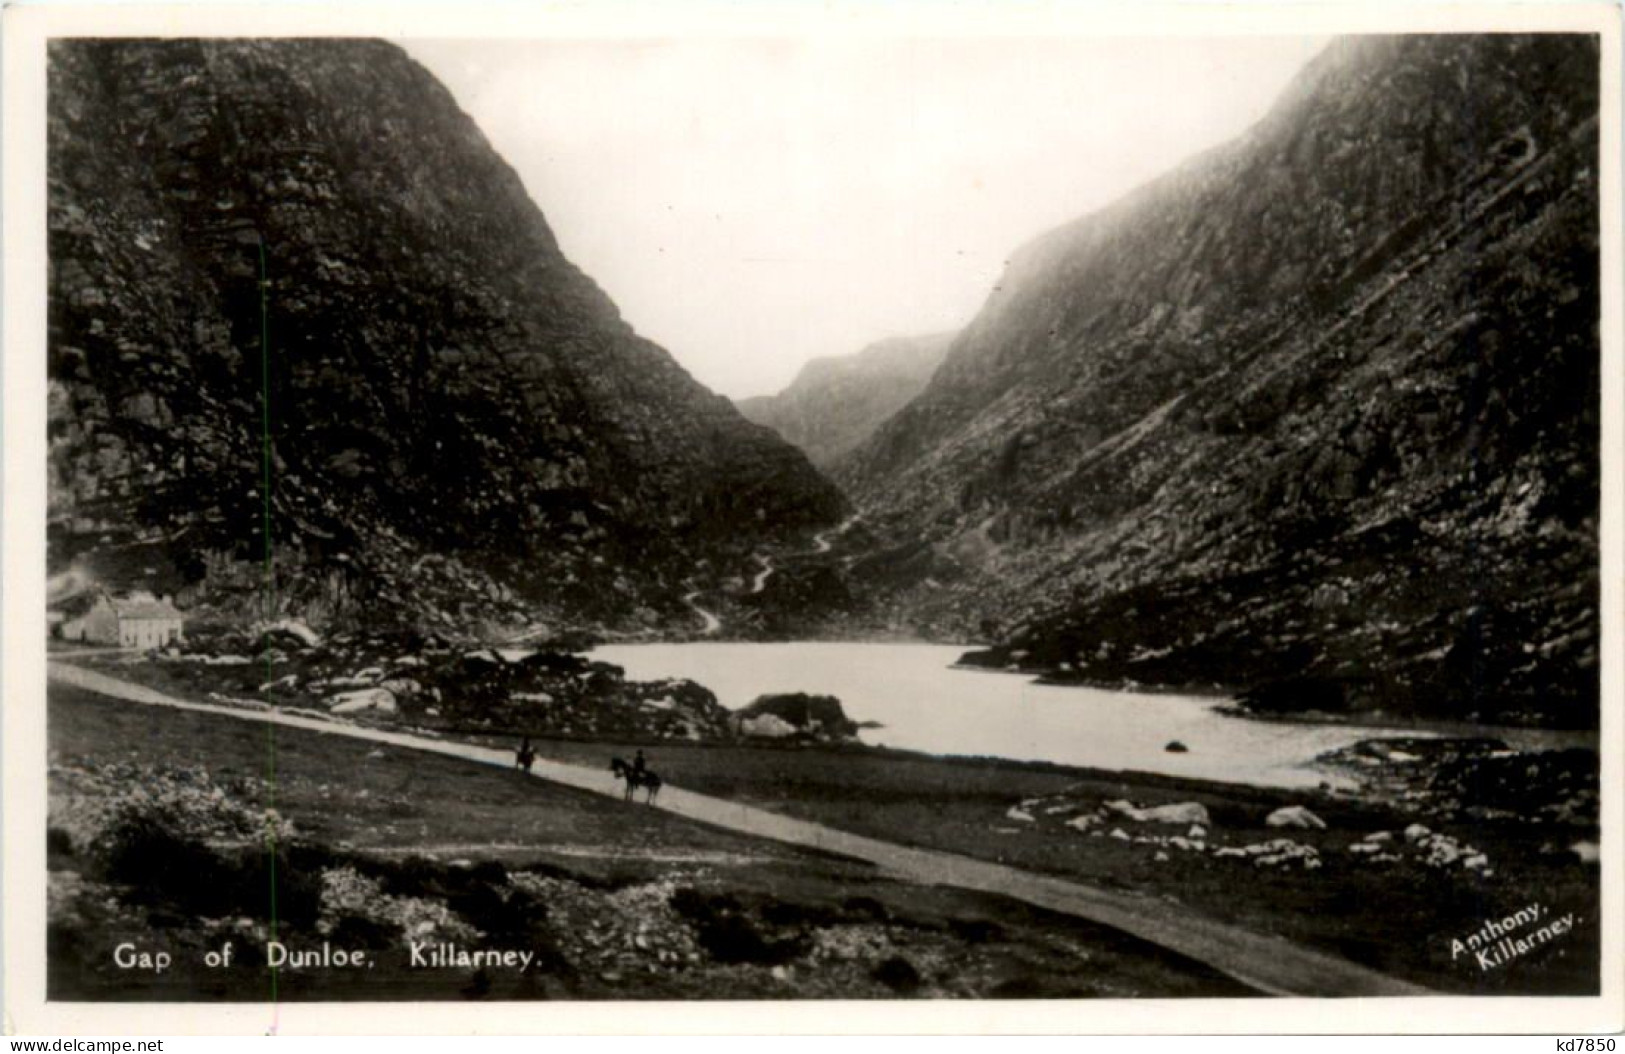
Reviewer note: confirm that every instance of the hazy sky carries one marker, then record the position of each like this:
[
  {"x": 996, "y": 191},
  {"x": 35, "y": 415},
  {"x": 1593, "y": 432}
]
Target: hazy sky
[{"x": 751, "y": 204}]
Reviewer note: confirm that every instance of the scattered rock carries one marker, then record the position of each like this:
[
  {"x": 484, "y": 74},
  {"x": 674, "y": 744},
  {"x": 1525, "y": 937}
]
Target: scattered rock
[
  {"x": 1188, "y": 812},
  {"x": 381, "y": 700},
  {"x": 294, "y": 629},
  {"x": 815, "y": 716},
  {"x": 1294, "y": 816},
  {"x": 1282, "y": 851},
  {"x": 766, "y": 726}
]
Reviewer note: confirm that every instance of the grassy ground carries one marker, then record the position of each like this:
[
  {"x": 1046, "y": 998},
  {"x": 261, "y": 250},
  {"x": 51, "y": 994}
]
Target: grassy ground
[
  {"x": 155, "y": 841},
  {"x": 1400, "y": 917}
]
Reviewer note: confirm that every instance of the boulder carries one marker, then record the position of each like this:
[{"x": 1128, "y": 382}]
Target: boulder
[
  {"x": 294, "y": 629},
  {"x": 381, "y": 700},
  {"x": 1294, "y": 816},
  {"x": 816, "y": 715},
  {"x": 766, "y": 726},
  {"x": 1183, "y": 813},
  {"x": 1176, "y": 747}
]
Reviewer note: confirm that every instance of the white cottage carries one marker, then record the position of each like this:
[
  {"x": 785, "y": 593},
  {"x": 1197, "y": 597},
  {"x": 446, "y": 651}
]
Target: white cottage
[{"x": 139, "y": 620}]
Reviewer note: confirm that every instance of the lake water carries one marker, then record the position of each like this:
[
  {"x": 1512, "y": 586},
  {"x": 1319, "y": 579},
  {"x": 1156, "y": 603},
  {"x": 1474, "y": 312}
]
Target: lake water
[{"x": 926, "y": 705}]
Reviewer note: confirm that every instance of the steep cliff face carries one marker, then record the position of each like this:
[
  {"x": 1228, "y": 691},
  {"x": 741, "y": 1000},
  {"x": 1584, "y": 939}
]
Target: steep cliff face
[
  {"x": 430, "y": 383},
  {"x": 1321, "y": 404},
  {"x": 835, "y": 403}
]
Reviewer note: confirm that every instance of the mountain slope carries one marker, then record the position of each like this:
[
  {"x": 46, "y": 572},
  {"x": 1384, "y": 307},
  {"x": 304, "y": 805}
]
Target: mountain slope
[
  {"x": 1320, "y": 405},
  {"x": 835, "y": 403},
  {"x": 445, "y": 390}
]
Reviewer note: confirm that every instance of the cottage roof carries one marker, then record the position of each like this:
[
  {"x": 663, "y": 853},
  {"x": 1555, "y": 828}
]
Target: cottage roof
[
  {"x": 144, "y": 608},
  {"x": 76, "y": 605}
]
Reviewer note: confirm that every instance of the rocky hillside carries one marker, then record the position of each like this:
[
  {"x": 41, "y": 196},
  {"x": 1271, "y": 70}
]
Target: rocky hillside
[
  {"x": 1317, "y": 411},
  {"x": 835, "y": 403},
  {"x": 456, "y": 421}
]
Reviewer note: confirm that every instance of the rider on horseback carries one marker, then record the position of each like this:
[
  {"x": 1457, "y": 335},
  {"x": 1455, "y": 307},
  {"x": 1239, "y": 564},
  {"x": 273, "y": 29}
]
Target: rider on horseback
[{"x": 636, "y": 774}]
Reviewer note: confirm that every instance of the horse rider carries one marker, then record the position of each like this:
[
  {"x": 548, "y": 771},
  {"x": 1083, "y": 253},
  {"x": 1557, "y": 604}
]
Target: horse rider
[{"x": 639, "y": 765}]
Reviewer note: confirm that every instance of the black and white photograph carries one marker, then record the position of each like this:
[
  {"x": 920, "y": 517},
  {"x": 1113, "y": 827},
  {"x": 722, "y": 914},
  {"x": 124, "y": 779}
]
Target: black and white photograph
[{"x": 715, "y": 516}]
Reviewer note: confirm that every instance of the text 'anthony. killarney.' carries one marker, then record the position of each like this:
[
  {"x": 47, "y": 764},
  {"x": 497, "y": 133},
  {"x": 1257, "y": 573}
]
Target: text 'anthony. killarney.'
[{"x": 1498, "y": 942}]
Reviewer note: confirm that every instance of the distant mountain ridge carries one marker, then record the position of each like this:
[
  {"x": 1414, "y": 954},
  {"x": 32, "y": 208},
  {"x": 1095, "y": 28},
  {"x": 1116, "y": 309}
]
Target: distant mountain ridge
[
  {"x": 1317, "y": 407},
  {"x": 459, "y": 423},
  {"x": 837, "y": 402}
]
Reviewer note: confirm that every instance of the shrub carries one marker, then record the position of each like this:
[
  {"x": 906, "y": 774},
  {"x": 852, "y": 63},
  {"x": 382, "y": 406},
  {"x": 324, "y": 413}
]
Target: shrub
[
  {"x": 58, "y": 843},
  {"x": 161, "y": 866},
  {"x": 729, "y": 935},
  {"x": 898, "y": 974},
  {"x": 865, "y": 908},
  {"x": 976, "y": 931},
  {"x": 354, "y": 931}
]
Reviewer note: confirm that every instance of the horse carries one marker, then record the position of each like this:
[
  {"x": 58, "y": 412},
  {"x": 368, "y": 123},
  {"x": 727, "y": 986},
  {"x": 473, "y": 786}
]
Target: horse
[{"x": 635, "y": 779}]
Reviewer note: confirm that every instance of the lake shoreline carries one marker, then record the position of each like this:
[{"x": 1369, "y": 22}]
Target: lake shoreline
[
  {"x": 919, "y": 694},
  {"x": 1518, "y": 736}
]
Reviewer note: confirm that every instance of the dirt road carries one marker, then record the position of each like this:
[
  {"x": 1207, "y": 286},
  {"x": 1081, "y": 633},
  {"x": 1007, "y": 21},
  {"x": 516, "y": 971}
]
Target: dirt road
[{"x": 1270, "y": 964}]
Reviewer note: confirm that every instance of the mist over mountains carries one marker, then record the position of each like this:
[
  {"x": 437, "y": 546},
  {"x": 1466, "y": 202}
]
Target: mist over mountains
[{"x": 836, "y": 403}]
